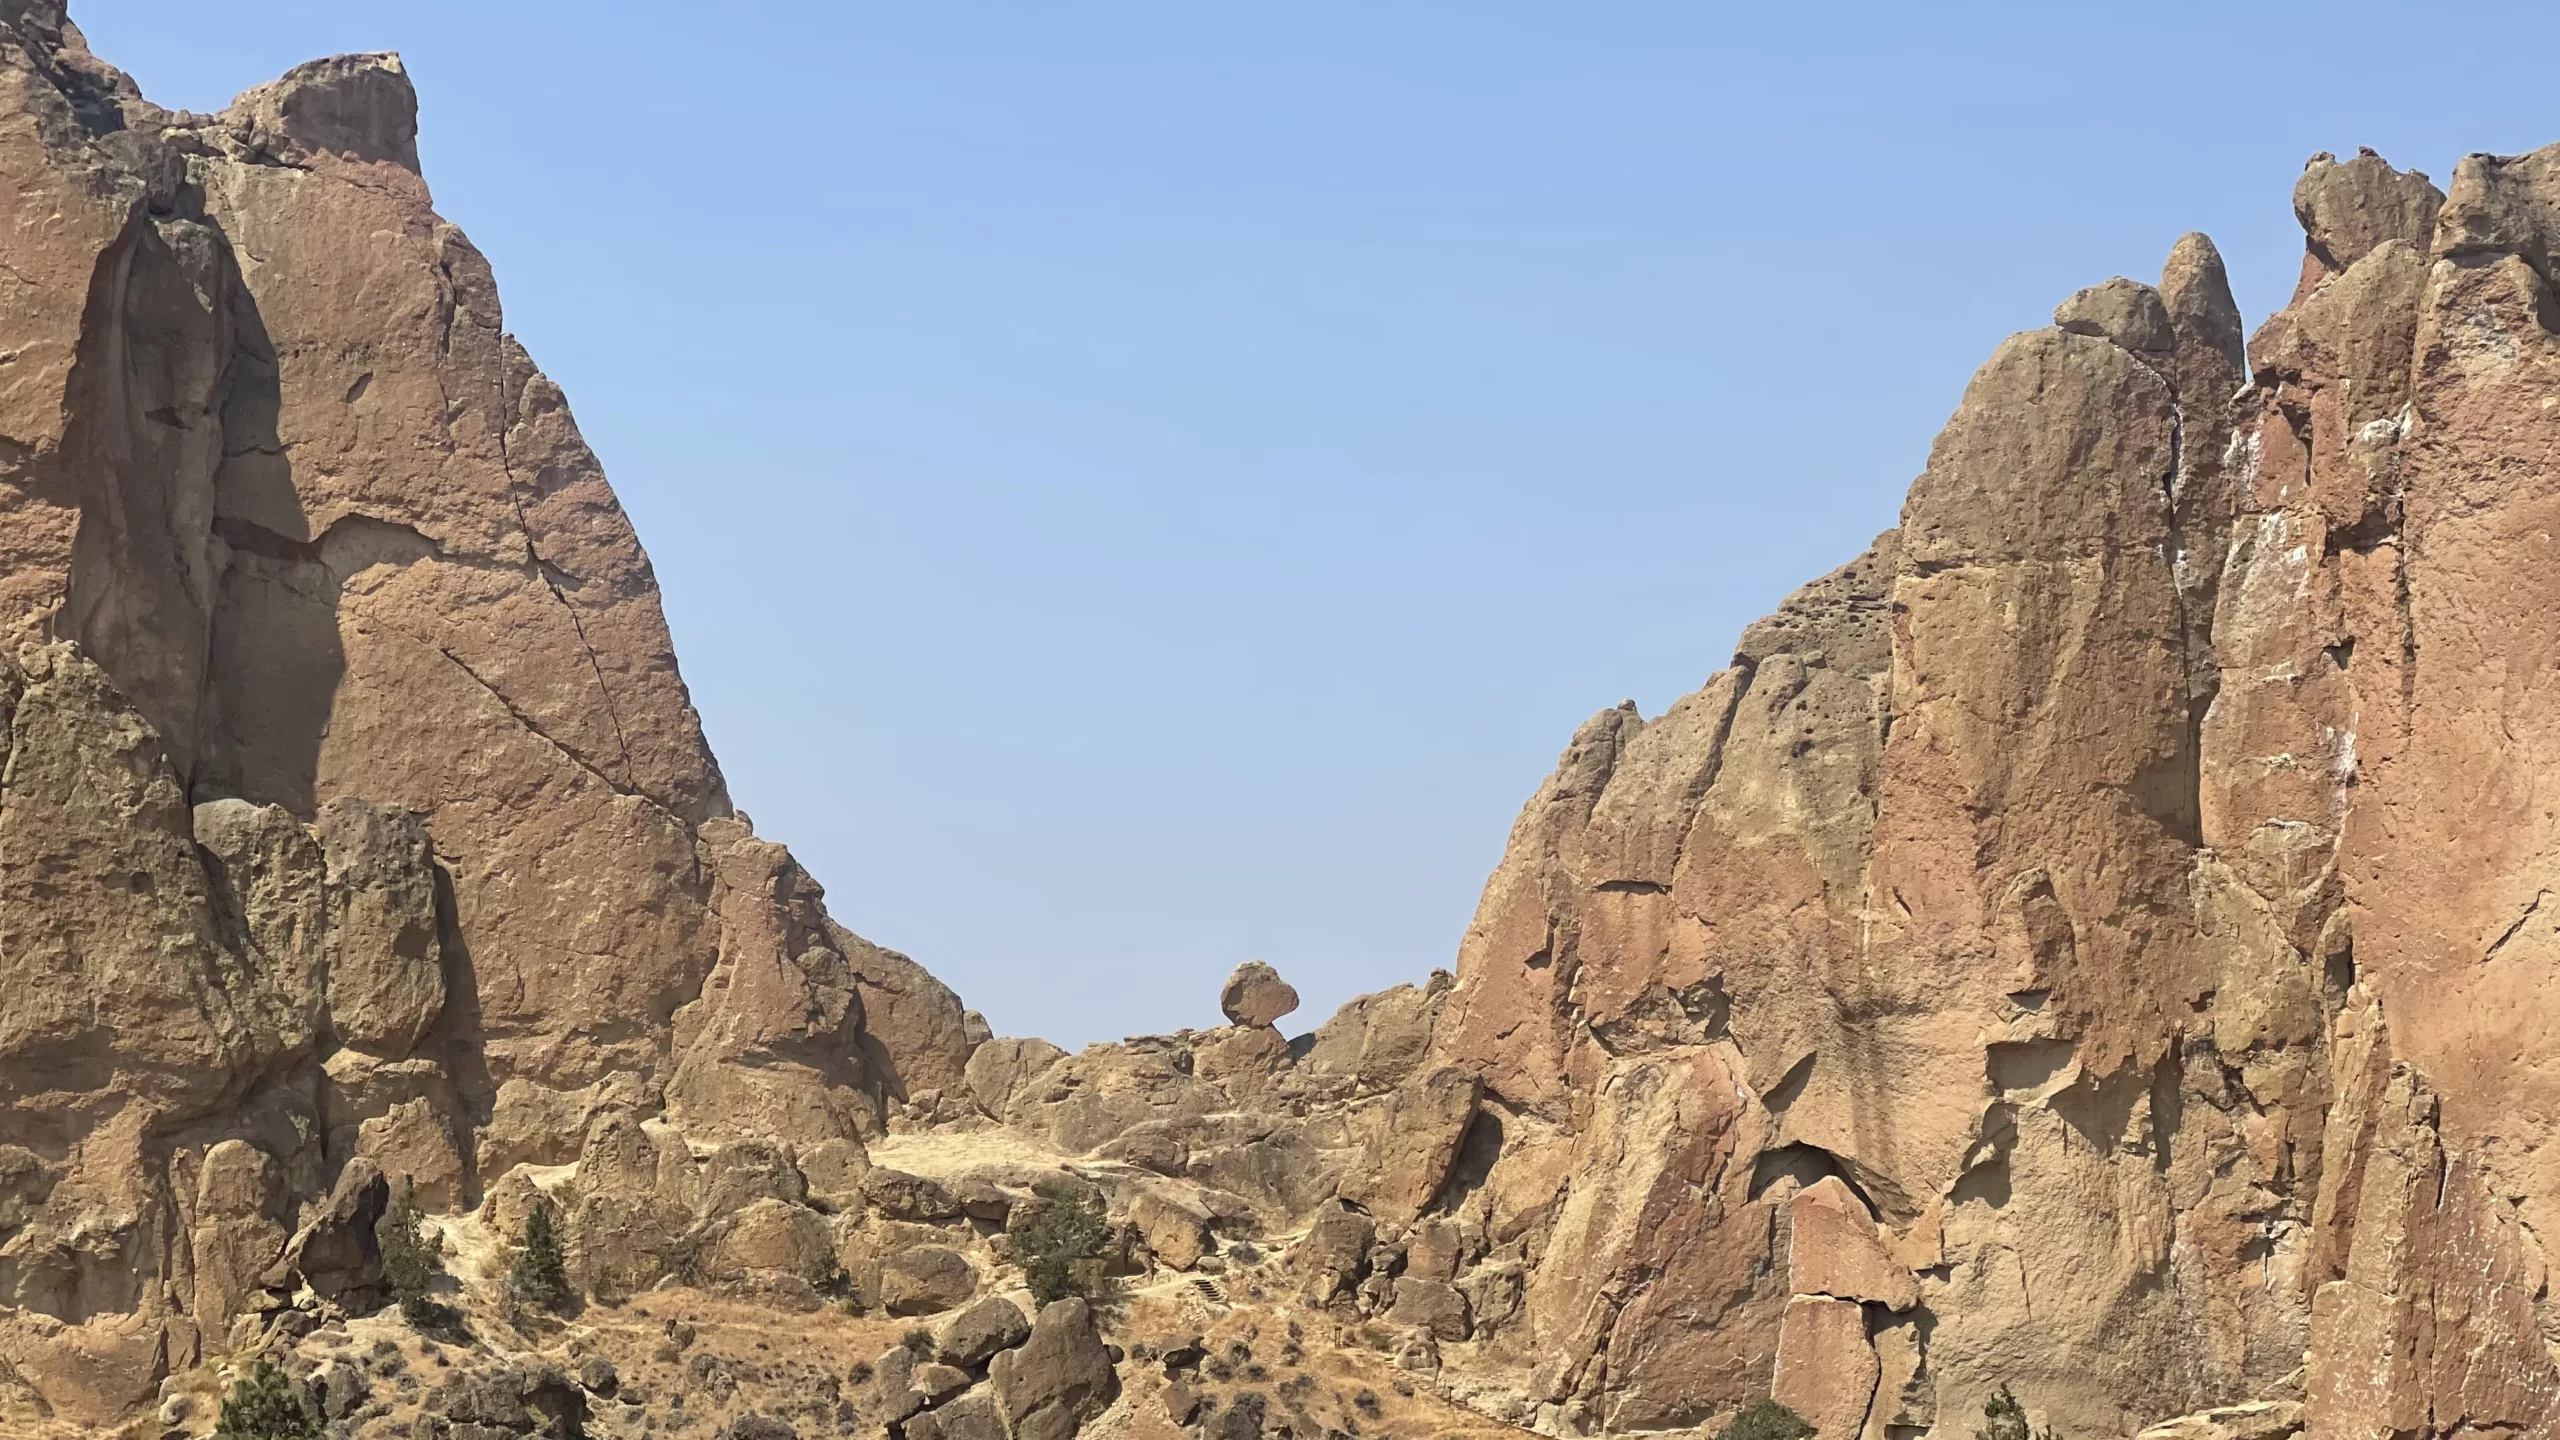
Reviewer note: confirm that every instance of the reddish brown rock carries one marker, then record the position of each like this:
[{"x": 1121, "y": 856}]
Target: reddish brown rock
[
  {"x": 1255, "y": 995},
  {"x": 1833, "y": 1249},
  {"x": 1826, "y": 1370}
]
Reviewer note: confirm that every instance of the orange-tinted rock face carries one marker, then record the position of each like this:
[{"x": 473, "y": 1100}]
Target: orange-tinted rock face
[{"x": 2124, "y": 885}]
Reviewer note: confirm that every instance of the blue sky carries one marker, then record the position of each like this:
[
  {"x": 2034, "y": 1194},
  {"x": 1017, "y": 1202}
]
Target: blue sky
[{"x": 1144, "y": 486}]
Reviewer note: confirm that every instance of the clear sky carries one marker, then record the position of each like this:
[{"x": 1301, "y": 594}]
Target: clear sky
[{"x": 1144, "y": 486}]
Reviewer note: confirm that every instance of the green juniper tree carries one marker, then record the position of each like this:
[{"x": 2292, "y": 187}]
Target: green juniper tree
[
  {"x": 1766, "y": 1419},
  {"x": 538, "y": 1272},
  {"x": 1057, "y": 1236},
  {"x": 265, "y": 1404},
  {"x": 411, "y": 1261}
]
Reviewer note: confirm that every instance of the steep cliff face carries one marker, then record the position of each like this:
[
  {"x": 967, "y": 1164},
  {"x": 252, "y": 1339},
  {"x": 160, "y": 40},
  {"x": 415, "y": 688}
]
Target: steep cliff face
[
  {"x": 2115, "y": 898},
  {"x": 2096, "y": 942},
  {"x": 354, "y": 805}
]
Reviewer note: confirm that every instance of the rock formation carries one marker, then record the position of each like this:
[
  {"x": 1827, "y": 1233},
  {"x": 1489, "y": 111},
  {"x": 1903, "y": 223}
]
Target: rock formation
[
  {"x": 353, "y": 807},
  {"x": 2092, "y": 947}
]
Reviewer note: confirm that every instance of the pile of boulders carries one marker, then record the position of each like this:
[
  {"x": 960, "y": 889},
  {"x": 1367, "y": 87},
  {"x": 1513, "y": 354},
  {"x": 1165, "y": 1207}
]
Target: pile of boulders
[{"x": 990, "y": 1373}]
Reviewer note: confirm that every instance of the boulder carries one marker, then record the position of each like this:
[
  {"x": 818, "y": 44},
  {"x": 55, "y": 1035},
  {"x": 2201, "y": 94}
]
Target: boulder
[
  {"x": 972, "y": 1416},
  {"x": 336, "y": 1251},
  {"x": 937, "y": 1382},
  {"x": 974, "y": 1336},
  {"x": 1432, "y": 1305},
  {"x": 926, "y": 1280},
  {"x": 1174, "y": 1224},
  {"x": 901, "y": 1196},
  {"x": 1256, "y": 996},
  {"x": 1415, "y": 1145},
  {"x": 891, "y": 1395},
  {"x": 999, "y": 1070},
  {"x": 1058, "y": 1379}
]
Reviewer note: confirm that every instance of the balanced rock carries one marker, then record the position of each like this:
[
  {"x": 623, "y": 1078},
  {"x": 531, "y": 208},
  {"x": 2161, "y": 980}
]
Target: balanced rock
[{"x": 1255, "y": 995}]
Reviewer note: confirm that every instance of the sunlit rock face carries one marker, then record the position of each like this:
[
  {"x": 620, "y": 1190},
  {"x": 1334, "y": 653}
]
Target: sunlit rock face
[
  {"x": 2127, "y": 881},
  {"x": 354, "y": 805},
  {"x": 2094, "y": 943}
]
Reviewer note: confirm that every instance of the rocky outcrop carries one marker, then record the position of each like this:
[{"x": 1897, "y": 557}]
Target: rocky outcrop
[
  {"x": 1255, "y": 995},
  {"x": 2093, "y": 946},
  {"x": 355, "y": 810},
  {"x": 2080, "y": 944},
  {"x": 1058, "y": 1379}
]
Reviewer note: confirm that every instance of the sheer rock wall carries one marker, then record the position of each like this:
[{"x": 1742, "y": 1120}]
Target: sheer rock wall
[
  {"x": 354, "y": 806},
  {"x": 2126, "y": 881}
]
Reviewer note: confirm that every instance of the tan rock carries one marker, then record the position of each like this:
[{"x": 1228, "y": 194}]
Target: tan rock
[
  {"x": 336, "y": 1252},
  {"x": 902, "y": 1196},
  {"x": 237, "y": 1234},
  {"x": 769, "y": 1236},
  {"x": 386, "y": 964},
  {"x": 834, "y": 1171},
  {"x": 1378, "y": 1041},
  {"x": 973, "y": 1416},
  {"x": 1255, "y": 995},
  {"x": 1826, "y": 1371},
  {"x": 926, "y": 1280},
  {"x": 999, "y": 1070},
  {"x": 2127, "y": 312},
  {"x": 1430, "y": 1305},
  {"x": 1833, "y": 1249},
  {"x": 1174, "y": 1224},
  {"x": 1416, "y": 1144},
  {"x": 1061, "y": 1377},
  {"x": 974, "y": 1336},
  {"x": 533, "y": 1124},
  {"x": 2253, "y": 1420}
]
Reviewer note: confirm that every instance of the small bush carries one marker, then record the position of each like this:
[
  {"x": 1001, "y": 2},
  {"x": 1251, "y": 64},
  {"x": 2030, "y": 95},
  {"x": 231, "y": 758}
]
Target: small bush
[
  {"x": 1766, "y": 1419},
  {"x": 918, "y": 1342},
  {"x": 2003, "y": 1418},
  {"x": 538, "y": 1272},
  {"x": 1057, "y": 1239},
  {"x": 265, "y": 1404},
  {"x": 826, "y": 1276}
]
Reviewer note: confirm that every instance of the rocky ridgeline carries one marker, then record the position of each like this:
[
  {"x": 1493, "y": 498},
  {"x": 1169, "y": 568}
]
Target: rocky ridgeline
[{"x": 2095, "y": 943}]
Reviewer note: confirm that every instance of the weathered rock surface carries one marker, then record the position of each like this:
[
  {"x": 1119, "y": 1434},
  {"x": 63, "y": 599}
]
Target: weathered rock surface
[
  {"x": 1255, "y": 995},
  {"x": 2097, "y": 942},
  {"x": 2103, "y": 915},
  {"x": 974, "y": 1336},
  {"x": 351, "y": 783},
  {"x": 1056, "y": 1380}
]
